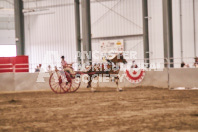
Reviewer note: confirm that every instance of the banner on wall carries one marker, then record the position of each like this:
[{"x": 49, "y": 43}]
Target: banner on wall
[{"x": 109, "y": 48}]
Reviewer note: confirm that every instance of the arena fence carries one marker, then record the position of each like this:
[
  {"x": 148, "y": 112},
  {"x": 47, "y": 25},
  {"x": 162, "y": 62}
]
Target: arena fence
[
  {"x": 157, "y": 62},
  {"x": 172, "y": 78}
]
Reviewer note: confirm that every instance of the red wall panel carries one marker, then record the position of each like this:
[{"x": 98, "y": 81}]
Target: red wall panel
[
  {"x": 21, "y": 60},
  {"x": 4, "y": 61},
  {"x": 14, "y": 61}
]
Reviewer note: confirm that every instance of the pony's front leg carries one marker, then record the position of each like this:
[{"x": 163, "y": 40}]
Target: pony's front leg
[
  {"x": 98, "y": 82},
  {"x": 95, "y": 79},
  {"x": 89, "y": 82},
  {"x": 117, "y": 83}
]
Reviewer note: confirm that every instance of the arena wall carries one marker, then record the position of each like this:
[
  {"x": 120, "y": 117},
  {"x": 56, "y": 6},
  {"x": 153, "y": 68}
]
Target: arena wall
[
  {"x": 186, "y": 77},
  {"x": 7, "y": 82},
  {"x": 22, "y": 82},
  {"x": 152, "y": 79},
  {"x": 28, "y": 81},
  {"x": 177, "y": 78}
]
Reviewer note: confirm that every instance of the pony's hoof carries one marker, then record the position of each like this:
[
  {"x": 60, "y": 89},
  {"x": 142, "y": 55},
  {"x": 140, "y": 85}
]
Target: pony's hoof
[
  {"x": 93, "y": 90},
  {"x": 119, "y": 89}
]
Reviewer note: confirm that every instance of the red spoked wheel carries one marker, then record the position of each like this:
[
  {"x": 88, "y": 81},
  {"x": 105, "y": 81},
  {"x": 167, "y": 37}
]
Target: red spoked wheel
[
  {"x": 75, "y": 83},
  {"x": 60, "y": 82}
]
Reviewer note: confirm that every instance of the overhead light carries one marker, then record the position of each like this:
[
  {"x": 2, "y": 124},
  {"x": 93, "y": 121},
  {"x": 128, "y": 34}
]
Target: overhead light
[
  {"x": 33, "y": 10},
  {"x": 38, "y": 14},
  {"x": 26, "y": 1},
  {"x": 37, "y": 11}
]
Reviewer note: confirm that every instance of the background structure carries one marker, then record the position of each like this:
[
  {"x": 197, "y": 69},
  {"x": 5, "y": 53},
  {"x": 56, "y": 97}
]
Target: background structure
[{"x": 50, "y": 26}]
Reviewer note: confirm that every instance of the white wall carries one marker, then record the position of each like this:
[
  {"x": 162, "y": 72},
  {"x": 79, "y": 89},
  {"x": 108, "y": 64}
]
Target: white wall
[
  {"x": 196, "y": 25},
  {"x": 7, "y": 37},
  {"x": 7, "y": 32},
  {"x": 156, "y": 41},
  {"x": 110, "y": 19},
  {"x": 50, "y": 32},
  {"x": 7, "y": 15},
  {"x": 56, "y": 32},
  {"x": 188, "y": 37},
  {"x": 176, "y": 32},
  {"x": 116, "y": 18},
  {"x": 7, "y": 3},
  {"x": 6, "y": 21}
]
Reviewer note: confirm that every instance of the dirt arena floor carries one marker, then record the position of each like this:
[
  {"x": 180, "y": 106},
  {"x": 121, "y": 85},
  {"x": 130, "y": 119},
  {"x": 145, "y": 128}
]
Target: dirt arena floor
[{"x": 135, "y": 109}]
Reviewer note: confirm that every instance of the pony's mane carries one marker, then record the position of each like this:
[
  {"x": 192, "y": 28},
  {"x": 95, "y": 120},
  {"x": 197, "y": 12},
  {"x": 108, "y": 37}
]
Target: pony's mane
[{"x": 116, "y": 56}]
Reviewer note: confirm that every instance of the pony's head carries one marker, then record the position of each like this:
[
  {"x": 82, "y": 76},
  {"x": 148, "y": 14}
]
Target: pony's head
[{"x": 119, "y": 58}]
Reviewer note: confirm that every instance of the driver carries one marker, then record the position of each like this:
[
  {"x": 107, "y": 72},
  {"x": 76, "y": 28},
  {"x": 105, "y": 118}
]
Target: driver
[
  {"x": 63, "y": 62},
  {"x": 67, "y": 67}
]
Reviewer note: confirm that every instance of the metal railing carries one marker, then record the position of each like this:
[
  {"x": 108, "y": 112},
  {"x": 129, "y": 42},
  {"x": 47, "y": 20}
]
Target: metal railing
[{"x": 160, "y": 61}]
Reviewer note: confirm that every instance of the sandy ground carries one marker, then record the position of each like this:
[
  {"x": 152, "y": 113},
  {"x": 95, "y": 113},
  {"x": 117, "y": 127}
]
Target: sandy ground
[{"x": 139, "y": 109}]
